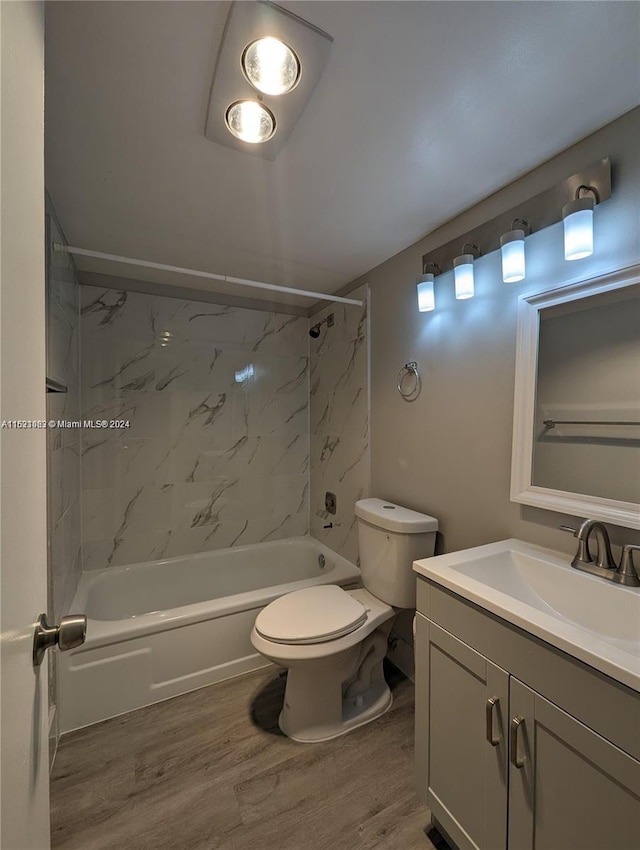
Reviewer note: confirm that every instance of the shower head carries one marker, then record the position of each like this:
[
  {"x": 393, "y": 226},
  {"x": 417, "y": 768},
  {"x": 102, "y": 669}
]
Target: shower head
[{"x": 314, "y": 332}]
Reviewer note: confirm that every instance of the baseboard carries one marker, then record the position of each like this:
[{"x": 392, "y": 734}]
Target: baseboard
[{"x": 400, "y": 654}]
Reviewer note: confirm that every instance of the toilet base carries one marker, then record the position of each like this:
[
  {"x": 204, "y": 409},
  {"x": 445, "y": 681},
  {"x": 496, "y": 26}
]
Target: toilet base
[
  {"x": 376, "y": 702},
  {"x": 338, "y": 685}
]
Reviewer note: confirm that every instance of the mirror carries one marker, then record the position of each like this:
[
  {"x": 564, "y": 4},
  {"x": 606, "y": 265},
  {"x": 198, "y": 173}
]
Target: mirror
[{"x": 576, "y": 446}]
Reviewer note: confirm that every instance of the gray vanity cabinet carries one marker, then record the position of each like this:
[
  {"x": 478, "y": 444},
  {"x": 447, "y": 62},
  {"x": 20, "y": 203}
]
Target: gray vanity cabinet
[
  {"x": 465, "y": 740},
  {"x": 571, "y": 788},
  {"x": 500, "y": 764}
]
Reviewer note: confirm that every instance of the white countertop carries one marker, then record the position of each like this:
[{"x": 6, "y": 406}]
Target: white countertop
[{"x": 537, "y": 589}]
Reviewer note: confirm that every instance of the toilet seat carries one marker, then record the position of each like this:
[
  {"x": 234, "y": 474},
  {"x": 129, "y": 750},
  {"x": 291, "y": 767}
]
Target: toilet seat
[{"x": 312, "y": 615}]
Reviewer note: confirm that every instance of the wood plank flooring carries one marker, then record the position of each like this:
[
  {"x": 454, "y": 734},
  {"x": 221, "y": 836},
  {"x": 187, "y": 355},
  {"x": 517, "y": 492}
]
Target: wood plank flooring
[{"x": 211, "y": 771}]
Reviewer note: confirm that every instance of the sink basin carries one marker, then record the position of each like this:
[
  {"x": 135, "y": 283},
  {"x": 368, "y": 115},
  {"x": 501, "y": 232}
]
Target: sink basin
[
  {"x": 538, "y": 590},
  {"x": 554, "y": 586}
]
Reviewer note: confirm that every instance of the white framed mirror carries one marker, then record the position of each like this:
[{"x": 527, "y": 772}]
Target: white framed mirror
[{"x": 576, "y": 429}]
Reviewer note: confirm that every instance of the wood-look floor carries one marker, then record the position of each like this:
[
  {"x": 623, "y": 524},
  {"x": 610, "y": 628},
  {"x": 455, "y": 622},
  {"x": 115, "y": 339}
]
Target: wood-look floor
[{"x": 211, "y": 771}]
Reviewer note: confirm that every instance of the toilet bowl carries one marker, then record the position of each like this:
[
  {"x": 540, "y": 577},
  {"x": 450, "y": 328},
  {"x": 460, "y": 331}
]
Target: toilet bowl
[
  {"x": 332, "y": 641},
  {"x": 324, "y": 695}
]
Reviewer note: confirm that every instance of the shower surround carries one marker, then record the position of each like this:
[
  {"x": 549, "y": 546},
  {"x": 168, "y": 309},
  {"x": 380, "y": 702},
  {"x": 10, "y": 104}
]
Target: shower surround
[
  {"x": 339, "y": 395},
  {"x": 213, "y": 450}
]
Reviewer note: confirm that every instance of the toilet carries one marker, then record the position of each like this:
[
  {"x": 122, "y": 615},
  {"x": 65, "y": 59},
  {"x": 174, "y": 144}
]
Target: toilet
[{"x": 333, "y": 641}]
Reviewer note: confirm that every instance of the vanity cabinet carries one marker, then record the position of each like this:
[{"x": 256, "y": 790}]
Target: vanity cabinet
[
  {"x": 568, "y": 786},
  {"x": 504, "y": 757},
  {"x": 466, "y": 738}
]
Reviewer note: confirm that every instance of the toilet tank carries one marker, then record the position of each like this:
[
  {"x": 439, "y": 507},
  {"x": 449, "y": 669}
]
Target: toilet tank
[{"x": 391, "y": 538}]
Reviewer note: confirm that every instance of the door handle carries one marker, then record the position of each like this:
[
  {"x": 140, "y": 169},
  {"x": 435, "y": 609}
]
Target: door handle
[
  {"x": 491, "y": 704},
  {"x": 71, "y": 632},
  {"x": 516, "y": 723}
]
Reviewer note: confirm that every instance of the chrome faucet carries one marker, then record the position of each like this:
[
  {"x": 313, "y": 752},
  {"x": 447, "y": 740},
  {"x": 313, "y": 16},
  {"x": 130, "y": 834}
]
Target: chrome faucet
[
  {"x": 604, "y": 558},
  {"x": 628, "y": 572},
  {"x": 604, "y": 564}
]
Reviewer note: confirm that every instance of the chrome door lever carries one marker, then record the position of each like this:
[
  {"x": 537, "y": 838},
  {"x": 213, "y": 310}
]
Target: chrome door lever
[{"x": 71, "y": 632}]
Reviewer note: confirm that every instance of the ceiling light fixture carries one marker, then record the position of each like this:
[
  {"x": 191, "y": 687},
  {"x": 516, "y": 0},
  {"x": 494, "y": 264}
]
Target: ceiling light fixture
[
  {"x": 250, "y": 121},
  {"x": 271, "y": 66},
  {"x": 463, "y": 272},
  {"x": 512, "y": 250},
  {"x": 272, "y": 59},
  {"x": 578, "y": 224}
]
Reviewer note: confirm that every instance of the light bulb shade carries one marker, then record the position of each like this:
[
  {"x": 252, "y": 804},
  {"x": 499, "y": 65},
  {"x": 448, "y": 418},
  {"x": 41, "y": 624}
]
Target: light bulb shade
[
  {"x": 426, "y": 294},
  {"x": 463, "y": 276},
  {"x": 271, "y": 66},
  {"x": 512, "y": 249},
  {"x": 250, "y": 121},
  {"x": 578, "y": 228}
]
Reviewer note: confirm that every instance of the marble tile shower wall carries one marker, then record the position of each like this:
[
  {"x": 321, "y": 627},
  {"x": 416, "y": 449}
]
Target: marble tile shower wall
[
  {"x": 339, "y": 399},
  {"x": 217, "y": 452},
  {"x": 63, "y": 445}
]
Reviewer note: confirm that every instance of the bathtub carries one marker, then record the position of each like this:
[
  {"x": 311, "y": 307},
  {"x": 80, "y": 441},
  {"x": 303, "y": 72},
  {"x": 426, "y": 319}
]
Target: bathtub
[{"x": 162, "y": 628}]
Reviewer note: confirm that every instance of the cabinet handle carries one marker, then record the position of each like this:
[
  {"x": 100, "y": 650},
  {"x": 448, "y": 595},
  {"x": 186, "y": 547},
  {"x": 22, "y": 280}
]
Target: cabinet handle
[
  {"x": 491, "y": 703},
  {"x": 516, "y": 723}
]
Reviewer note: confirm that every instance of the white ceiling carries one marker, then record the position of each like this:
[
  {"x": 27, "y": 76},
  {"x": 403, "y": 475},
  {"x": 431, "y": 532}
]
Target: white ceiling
[{"x": 424, "y": 109}]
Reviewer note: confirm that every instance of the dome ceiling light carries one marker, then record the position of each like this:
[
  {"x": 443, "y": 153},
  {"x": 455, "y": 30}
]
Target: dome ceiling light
[
  {"x": 271, "y": 66},
  {"x": 250, "y": 121},
  {"x": 268, "y": 65}
]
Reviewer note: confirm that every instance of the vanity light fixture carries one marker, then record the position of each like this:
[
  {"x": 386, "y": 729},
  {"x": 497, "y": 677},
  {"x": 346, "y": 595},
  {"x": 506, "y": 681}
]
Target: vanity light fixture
[
  {"x": 426, "y": 293},
  {"x": 509, "y": 229},
  {"x": 463, "y": 272},
  {"x": 512, "y": 250},
  {"x": 250, "y": 121},
  {"x": 271, "y": 66},
  {"x": 578, "y": 224}
]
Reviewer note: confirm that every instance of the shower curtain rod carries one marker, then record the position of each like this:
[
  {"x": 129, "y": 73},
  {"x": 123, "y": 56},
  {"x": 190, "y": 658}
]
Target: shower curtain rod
[{"x": 239, "y": 281}]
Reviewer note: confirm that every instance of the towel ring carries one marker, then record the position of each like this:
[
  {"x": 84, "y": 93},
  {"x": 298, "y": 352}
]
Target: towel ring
[{"x": 409, "y": 368}]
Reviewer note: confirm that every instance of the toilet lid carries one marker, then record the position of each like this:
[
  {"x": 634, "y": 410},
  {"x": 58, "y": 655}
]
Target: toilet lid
[{"x": 312, "y": 615}]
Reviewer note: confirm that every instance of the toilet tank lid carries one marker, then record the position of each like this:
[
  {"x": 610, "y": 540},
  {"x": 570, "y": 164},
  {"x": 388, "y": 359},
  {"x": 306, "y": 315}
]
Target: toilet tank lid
[{"x": 394, "y": 517}]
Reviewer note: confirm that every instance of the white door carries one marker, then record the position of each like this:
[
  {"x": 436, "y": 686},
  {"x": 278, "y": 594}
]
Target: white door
[{"x": 23, "y": 553}]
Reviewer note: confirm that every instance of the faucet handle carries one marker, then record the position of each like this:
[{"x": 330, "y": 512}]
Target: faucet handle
[
  {"x": 627, "y": 573},
  {"x": 582, "y": 534}
]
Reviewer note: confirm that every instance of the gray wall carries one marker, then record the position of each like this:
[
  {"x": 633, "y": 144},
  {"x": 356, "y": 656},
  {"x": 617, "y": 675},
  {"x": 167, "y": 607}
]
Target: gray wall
[
  {"x": 449, "y": 452},
  {"x": 339, "y": 401},
  {"x": 217, "y": 452}
]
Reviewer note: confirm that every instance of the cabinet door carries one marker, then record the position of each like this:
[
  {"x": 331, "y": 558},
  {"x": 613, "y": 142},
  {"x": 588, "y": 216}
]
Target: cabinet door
[
  {"x": 569, "y": 788},
  {"x": 461, "y": 748}
]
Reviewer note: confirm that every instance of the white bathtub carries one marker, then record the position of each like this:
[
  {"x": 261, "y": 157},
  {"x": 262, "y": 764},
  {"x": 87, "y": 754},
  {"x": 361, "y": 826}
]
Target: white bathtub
[{"x": 158, "y": 629}]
